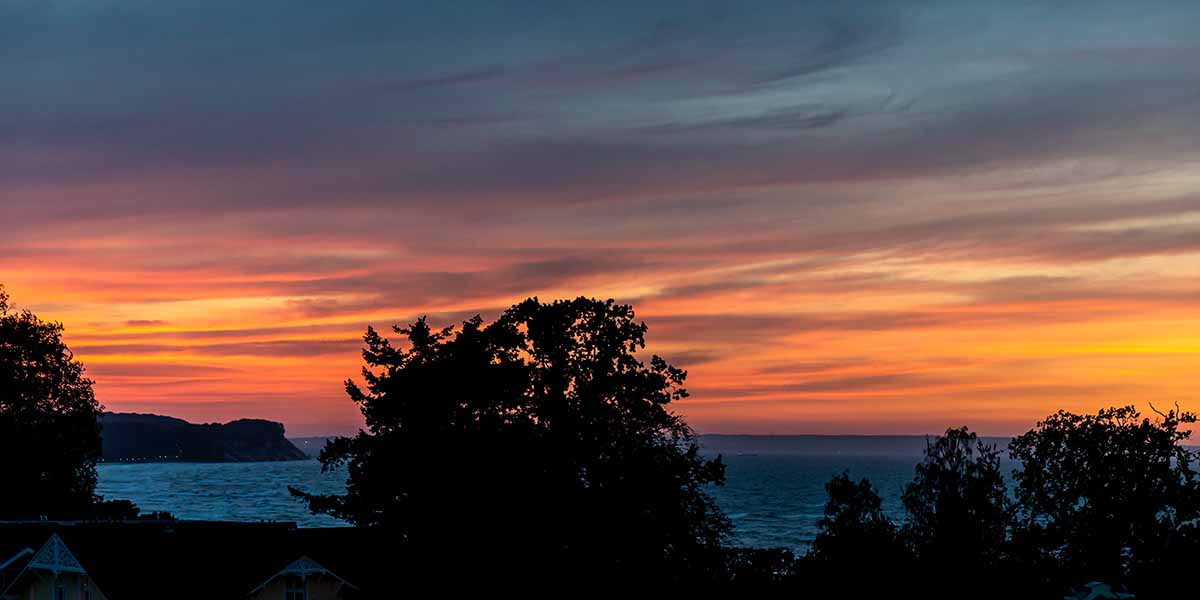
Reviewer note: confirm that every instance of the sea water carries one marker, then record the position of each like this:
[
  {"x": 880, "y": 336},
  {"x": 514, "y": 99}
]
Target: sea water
[{"x": 774, "y": 496}]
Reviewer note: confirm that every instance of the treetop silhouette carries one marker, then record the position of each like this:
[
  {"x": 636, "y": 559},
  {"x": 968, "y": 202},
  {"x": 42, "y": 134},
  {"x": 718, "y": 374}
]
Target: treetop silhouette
[
  {"x": 543, "y": 425},
  {"x": 1111, "y": 497},
  {"x": 1104, "y": 493},
  {"x": 48, "y": 417}
]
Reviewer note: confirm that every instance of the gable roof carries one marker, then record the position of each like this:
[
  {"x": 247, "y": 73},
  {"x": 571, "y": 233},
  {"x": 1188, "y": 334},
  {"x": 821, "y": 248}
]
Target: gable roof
[
  {"x": 53, "y": 556},
  {"x": 303, "y": 567},
  {"x": 15, "y": 558},
  {"x": 139, "y": 559}
]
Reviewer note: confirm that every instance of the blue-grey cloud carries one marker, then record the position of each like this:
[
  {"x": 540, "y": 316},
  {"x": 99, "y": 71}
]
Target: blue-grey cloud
[{"x": 547, "y": 100}]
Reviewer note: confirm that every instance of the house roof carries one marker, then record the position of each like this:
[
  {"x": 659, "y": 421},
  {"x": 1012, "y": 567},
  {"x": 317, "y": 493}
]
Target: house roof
[
  {"x": 17, "y": 557},
  {"x": 22, "y": 550},
  {"x": 14, "y": 555},
  {"x": 303, "y": 567},
  {"x": 218, "y": 560},
  {"x": 53, "y": 556}
]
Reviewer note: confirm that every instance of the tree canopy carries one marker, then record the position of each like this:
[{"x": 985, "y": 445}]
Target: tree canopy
[
  {"x": 49, "y": 433},
  {"x": 1110, "y": 497},
  {"x": 957, "y": 504},
  {"x": 1103, "y": 493},
  {"x": 854, "y": 524},
  {"x": 543, "y": 425}
]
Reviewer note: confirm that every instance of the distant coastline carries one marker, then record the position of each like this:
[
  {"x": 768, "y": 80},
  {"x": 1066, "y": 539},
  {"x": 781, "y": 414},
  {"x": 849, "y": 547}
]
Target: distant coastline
[
  {"x": 139, "y": 438},
  {"x": 851, "y": 445},
  {"x": 746, "y": 443}
]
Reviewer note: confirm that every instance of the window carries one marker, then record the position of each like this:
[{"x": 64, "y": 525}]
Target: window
[
  {"x": 60, "y": 592},
  {"x": 295, "y": 588}
]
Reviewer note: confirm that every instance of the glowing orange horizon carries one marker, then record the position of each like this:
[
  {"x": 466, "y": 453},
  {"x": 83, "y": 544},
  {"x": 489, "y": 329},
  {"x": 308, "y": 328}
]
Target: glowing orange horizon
[
  {"x": 838, "y": 217},
  {"x": 807, "y": 342}
]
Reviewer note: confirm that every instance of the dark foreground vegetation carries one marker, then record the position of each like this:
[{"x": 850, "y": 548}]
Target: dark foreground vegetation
[
  {"x": 540, "y": 431},
  {"x": 49, "y": 426},
  {"x": 539, "y": 451},
  {"x": 1110, "y": 497}
]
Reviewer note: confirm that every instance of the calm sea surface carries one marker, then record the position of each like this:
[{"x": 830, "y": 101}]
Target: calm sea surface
[
  {"x": 250, "y": 491},
  {"x": 774, "y": 499}
]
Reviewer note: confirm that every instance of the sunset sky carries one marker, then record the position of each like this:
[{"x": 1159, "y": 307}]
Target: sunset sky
[{"x": 839, "y": 217}]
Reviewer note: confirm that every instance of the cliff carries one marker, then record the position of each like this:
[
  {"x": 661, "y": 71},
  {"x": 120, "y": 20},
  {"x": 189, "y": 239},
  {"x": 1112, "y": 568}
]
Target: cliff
[{"x": 130, "y": 437}]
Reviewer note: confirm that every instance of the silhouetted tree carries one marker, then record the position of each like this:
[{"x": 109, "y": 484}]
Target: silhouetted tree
[
  {"x": 543, "y": 428},
  {"x": 1109, "y": 497},
  {"x": 854, "y": 523},
  {"x": 49, "y": 433},
  {"x": 1103, "y": 495},
  {"x": 857, "y": 550},
  {"x": 957, "y": 506}
]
